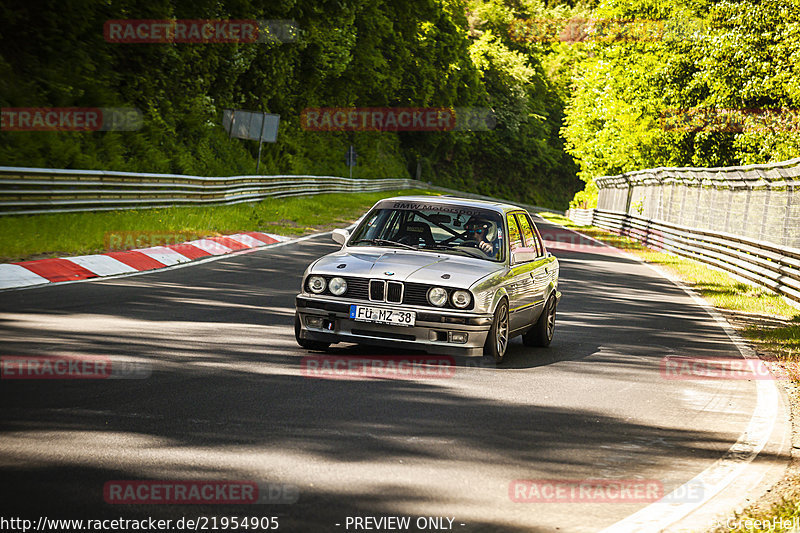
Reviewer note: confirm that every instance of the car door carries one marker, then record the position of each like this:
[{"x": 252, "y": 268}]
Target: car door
[
  {"x": 521, "y": 282},
  {"x": 537, "y": 268}
]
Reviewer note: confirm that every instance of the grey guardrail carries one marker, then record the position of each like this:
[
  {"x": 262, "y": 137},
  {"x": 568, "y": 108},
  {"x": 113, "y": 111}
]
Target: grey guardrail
[
  {"x": 27, "y": 191},
  {"x": 36, "y": 190},
  {"x": 766, "y": 264},
  {"x": 769, "y": 175}
]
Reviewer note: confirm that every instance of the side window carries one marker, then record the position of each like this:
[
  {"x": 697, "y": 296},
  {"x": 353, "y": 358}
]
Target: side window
[
  {"x": 542, "y": 249},
  {"x": 531, "y": 237},
  {"x": 514, "y": 236}
]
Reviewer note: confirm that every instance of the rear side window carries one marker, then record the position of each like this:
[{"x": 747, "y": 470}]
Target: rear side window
[{"x": 531, "y": 237}]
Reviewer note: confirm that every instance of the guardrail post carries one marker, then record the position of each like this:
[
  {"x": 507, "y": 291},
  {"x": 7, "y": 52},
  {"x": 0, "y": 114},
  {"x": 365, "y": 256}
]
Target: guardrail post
[
  {"x": 684, "y": 194},
  {"x": 670, "y": 203},
  {"x": 787, "y": 216},
  {"x": 728, "y": 210},
  {"x": 659, "y": 210},
  {"x": 764, "y": 218},
  {"x": 746, "y": 209},
  {"x": 630, "y": 194}
]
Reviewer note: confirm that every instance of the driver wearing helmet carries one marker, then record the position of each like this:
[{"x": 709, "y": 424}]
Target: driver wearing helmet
[{"x": 482, "y": 233}]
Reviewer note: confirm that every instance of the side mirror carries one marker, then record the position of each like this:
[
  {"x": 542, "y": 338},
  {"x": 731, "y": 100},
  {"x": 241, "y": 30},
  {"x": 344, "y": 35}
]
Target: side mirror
[
  {"x": 522, "y": 255},
  {"x": 340, "y": 235}
]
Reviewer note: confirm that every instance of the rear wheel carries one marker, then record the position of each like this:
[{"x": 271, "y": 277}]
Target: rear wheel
[
  {"x": 542, "y": 332},
  {"x": 305, "y": 343},
  {"x": 497, "y": 340}
]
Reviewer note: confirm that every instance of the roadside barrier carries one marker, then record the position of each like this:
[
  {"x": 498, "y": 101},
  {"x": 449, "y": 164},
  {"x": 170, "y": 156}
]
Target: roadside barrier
[
  {"x": 769, "y": 265},
  {"x": 29, "y": 191}
]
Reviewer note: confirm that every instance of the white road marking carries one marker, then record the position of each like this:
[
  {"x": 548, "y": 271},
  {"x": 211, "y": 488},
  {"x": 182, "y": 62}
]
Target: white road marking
[
  {"x": 716, "y": 477},
  {"x": 660, "y": 515}
]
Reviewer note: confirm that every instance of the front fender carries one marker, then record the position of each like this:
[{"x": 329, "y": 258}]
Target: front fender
[{"x": 498, "y": 295}]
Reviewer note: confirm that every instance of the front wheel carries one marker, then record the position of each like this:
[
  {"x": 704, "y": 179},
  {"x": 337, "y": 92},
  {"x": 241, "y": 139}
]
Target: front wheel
[
  {"x": 542, "y": 332},
  {"x": 305, "y": 343},
  {"x": 497, "y": 340}
]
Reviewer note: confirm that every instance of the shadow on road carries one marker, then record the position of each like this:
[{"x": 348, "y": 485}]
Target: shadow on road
[{"x": 226, "y": 399}]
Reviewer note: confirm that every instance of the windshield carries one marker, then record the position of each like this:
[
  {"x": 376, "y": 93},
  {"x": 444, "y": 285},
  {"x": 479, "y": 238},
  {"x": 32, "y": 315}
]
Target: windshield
[{"x": 444, "y": 228}]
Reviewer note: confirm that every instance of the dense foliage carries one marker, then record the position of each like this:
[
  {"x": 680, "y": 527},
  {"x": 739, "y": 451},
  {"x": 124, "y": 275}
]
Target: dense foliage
[
  {"x": 361, "y": 53},
  {"x": 607, "y": 102},
  {"x": 733, "y": 64}
]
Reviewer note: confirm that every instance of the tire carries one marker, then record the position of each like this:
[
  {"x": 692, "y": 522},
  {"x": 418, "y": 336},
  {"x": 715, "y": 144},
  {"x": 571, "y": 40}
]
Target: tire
[
  {"x": 542, "y": 332},
  {"x": 498, "y": 338},
  {"x": 305, "y": 343}
]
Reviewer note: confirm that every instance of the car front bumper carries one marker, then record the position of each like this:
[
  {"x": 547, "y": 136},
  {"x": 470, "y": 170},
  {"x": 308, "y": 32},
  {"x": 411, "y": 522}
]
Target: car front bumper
[{"x": 432, "y": 332}]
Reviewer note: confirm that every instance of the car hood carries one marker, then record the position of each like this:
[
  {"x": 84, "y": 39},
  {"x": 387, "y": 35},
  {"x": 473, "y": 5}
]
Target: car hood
[{"x": 401, "y": 265}]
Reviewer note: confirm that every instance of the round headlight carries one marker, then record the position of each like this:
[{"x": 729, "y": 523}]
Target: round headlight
[
  {"x": 337, "y": 286},
  {"x": 316, "y": 284},
  {"x": 461, "y": 299},
  {"x": 437, "y": 296}
]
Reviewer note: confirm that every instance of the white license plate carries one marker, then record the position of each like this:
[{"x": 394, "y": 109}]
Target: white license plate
[{"x": 381, "y": 315}]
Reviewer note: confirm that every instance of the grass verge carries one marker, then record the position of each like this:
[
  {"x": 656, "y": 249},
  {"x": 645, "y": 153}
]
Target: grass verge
[
  {"x": 65, "y": 234},
  {"x": 769, "y": 323}
]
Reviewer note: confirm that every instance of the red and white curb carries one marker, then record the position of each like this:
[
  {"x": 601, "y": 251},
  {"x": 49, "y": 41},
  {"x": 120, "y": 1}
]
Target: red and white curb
[{"x": 42, "y": 271}]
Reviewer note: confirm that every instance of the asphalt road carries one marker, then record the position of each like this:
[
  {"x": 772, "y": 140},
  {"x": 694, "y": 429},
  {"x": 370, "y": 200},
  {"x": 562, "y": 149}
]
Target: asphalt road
[{"x": 228, "y": 400}]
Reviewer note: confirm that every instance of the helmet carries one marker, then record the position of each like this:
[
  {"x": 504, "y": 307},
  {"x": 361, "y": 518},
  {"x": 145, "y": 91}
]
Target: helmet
[{"x": 482, "y": 226}]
